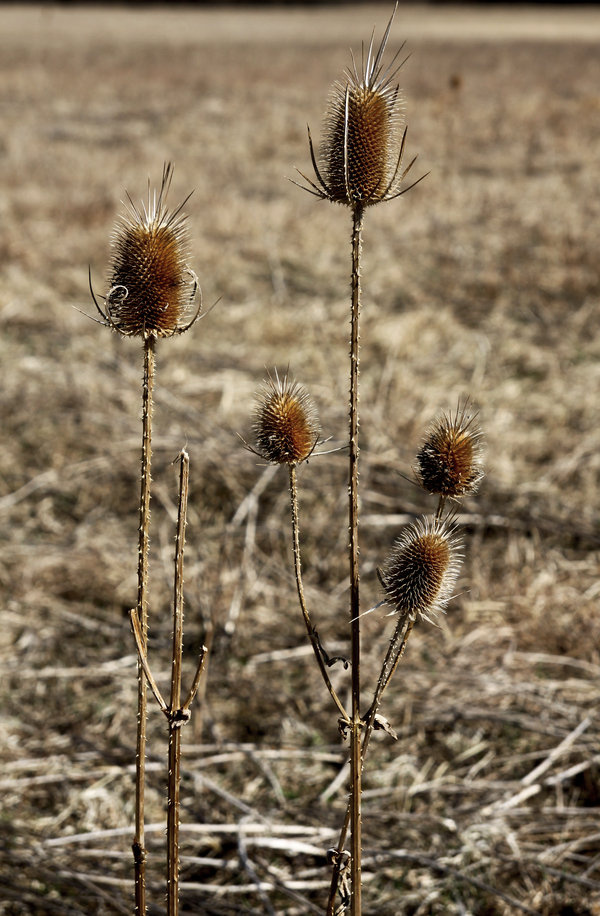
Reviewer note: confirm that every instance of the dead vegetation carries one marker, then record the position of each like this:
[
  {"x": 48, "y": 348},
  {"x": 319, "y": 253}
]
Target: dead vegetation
[{"x": 483, "y": 281}]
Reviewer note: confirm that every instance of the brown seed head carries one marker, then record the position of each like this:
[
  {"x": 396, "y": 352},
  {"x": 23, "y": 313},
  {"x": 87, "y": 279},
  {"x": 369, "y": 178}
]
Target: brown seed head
[
  {"x": 285, "y": 423},
  {"x": 450, "y": 461},
  {"x": 360, "y": 149},
  {"x": 360, "y": 157},
  {"x": 420, "y": 573},
  {"x": 151, "y": 287}
]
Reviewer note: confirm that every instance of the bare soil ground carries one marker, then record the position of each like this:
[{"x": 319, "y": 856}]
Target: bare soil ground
[{"x": 484, "y": 280}]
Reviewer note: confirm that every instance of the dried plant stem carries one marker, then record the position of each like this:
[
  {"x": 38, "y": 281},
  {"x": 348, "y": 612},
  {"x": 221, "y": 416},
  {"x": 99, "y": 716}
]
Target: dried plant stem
[
  {"x": 139, "y": 847},
  {"x": 353, "y": 813},
  {"x": 177, "y": 714},
  {"x": 394, "y": 653},
  {"x": 174, "y": 725},
  {"x": 355, "y": 733},
  {"x": 312, "y": 632}
]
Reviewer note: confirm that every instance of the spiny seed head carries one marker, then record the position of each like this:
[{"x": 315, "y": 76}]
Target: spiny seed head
[
  {"x": 361, "y": 142},
  {"x": 420, "y": 573},
  {"x": 151, "y": 287},
  {"x": 450, "y": 461},
  {"x": 285, "y": 423},
  {"x": 360, "y": 158}
]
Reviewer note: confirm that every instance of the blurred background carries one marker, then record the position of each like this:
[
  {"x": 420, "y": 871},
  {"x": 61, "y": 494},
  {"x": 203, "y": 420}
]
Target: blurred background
[{"x": 482, "y": 281}]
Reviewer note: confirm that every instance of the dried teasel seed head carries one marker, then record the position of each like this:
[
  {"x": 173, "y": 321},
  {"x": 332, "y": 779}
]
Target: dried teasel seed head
[
  {"x": 359, "y": 152},
  {"x": 151, "y": 286},
  {"x": 422, "y": 568},
  {"x": 285, "y": 423},
  {"x": 450, "y": 461},
  {"x": 360, "y": 159}
]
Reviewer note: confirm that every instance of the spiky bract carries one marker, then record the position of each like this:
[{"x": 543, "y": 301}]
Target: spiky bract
[
  {"x": 151, "y": 287},
  {"x": 420, "y": 573},
  {"x": 285, "y": 423},
  {"x": 450, "y": 461}
]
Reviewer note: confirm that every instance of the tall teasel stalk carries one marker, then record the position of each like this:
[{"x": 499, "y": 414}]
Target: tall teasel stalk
[
  {"x": 359, "y": 165},
  {"x": 151, "y": 293}
]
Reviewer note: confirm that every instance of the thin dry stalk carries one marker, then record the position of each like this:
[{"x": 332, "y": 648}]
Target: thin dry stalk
[
  {"x": 139, "y": 847},
  {"x": 355, "y": 750},
  {"x": 177, "y": 713},
  {"x": 356, "y": 764},
  {"x": 394, "y": 653},
  {"x": 310, "y": 629},
  {"x": 175, "y": 726}
]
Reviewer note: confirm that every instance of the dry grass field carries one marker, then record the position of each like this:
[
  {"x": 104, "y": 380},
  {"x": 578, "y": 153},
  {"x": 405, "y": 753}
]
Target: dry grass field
[{"x": 484, "y": 280}]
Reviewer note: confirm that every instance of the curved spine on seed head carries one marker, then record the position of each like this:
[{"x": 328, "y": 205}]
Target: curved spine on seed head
[
  {"x": 421, "y": 571},
  {"x": 151, "y": 287},
  {"x": 286, "y": 427}
]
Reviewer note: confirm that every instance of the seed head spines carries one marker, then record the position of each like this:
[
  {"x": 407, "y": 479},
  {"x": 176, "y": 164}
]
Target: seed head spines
[
  {"x": 450, "y": 461},
  {"x": 151, "y": 287},
  {"x": 285, "y": 422},
  {"x": 360, "y": 158}
]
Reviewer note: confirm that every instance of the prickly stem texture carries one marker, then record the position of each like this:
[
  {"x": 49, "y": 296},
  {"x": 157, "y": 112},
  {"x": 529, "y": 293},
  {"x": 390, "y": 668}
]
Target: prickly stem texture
[
  {"x": 301, "y": 597},
  {"x": 173, "y": 819},
  {"x": 355, "y": 730},
  {"x": 355, "y": 734},
  {"x": 139, "y": 848},
  {"x": 174, "y": 777},
  {"x": 395, "y": 651}
]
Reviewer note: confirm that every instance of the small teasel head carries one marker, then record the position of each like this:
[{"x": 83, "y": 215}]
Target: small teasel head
[
  {"x": 286, "y": 428},
  {"x": 360, "y": 159},
  {"x": 450, "y": 461},
  {"x": 151, "y": 287},
  {"x": 420, "y": 573}
]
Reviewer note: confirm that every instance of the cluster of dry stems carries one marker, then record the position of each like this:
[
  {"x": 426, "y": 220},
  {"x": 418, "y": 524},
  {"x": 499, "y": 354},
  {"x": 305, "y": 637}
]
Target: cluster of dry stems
[{"x": 151, "y": 292}]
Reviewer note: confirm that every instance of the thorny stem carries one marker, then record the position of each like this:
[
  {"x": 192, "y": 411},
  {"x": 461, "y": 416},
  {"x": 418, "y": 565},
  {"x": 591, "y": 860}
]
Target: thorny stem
[
  {"x": 394, "y": 653},
  {"x": 177, "y": 714},
  {"x": 353, "y": 814},
  {"x": 355, "y": 748},
  {"x": 139, "y": 847},
  {"x": 174, "y": 724},
  {"x": 312, "y": 633}
]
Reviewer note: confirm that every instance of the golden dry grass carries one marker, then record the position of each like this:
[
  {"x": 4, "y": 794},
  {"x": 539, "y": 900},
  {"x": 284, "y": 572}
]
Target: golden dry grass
[{"x": 484, "y": 280}]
